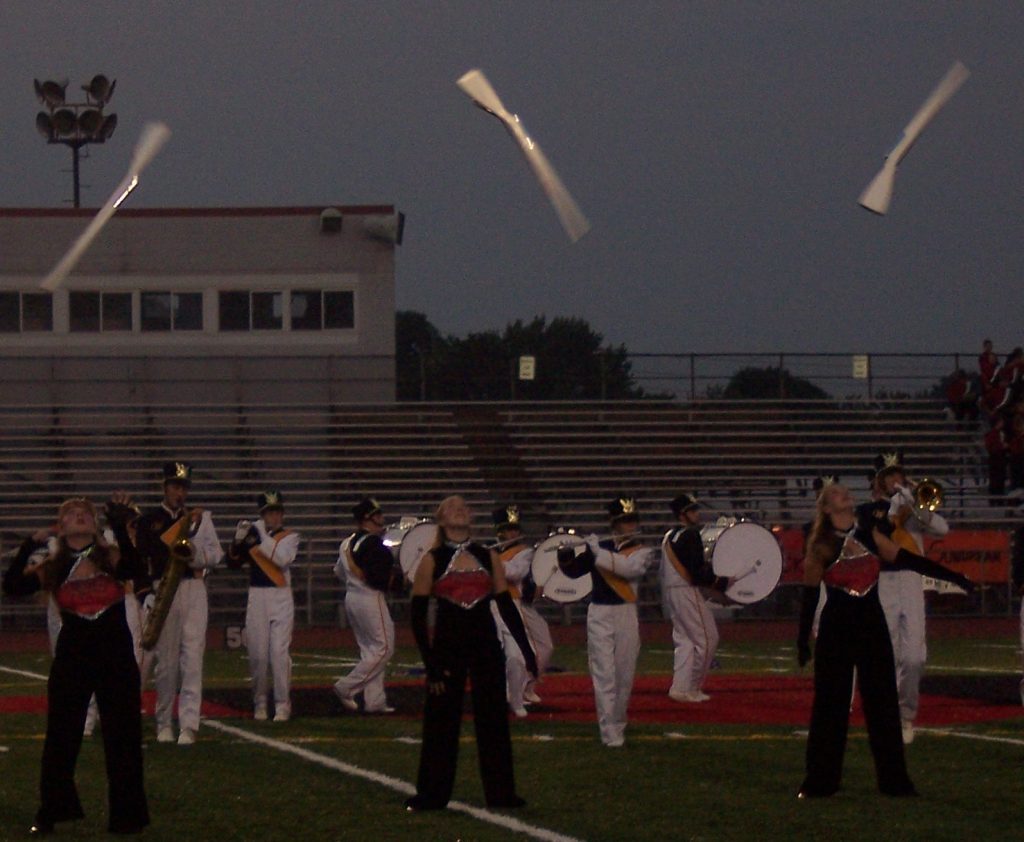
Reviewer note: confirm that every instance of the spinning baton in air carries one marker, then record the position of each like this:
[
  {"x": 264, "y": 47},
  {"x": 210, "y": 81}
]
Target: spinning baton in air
[
  {"x": 475, "y": 85},
  {"x": 153, "y": 137},
  {"x": 878, "y": 193}
]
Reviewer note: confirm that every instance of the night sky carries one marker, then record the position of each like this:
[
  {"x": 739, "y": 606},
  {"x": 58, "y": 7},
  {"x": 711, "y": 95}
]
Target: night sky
[{"x": 718, "y": 149}]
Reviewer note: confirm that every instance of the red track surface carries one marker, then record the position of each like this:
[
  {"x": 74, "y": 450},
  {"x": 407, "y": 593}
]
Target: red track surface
[{"x": 735, "y": 700}]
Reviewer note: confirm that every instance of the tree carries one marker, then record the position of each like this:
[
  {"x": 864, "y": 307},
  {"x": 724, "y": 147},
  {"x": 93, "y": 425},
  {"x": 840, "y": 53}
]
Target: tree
[
  {"x": 770, "y": 383},
  {"x": 571, "y": 362}
]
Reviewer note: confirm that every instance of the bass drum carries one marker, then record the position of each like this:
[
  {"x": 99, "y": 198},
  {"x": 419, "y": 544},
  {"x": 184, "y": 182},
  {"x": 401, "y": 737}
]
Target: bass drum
[
  {"x": 746, "y": 553},
  {"x": 551, "y": 581},
  {"x": 409, "y": 542}
]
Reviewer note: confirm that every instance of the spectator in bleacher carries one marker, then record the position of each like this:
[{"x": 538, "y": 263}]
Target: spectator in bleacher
[
  {"x": 182, "y": 641},
  {"x": 684, "y": 572},
  {"x": 996, "y": 447},
  {"x": 269, "y": 548},
  {"x": 516, "y": 557},
  {"x": 370, "y": 573},
  {"x": 1017, "y": 577},
  {"x": 901, "y": 592},
  {"x": 988, "y": 362},
  {"x": 615, "y": 565},
  {"x": 1015, "y": 451},
  {"x": 94, "y": 654},
  {"x": 960, "y": 397},
  {"x": 463, "y": 577}
]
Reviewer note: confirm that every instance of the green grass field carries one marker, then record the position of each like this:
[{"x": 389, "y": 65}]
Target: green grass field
[{"x": 671, "y": 781}]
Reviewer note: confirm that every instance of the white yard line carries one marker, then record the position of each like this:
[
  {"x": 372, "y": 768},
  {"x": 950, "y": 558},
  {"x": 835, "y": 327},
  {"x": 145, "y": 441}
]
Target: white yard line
[
  {"x": 12, "y": 671},
  {"x": 985, "y": 738},
  {"x": 395, "y": 784}
]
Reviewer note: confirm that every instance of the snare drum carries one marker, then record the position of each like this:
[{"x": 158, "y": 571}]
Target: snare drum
[
  {"x": 551, "y": 581},
  {"x": 746, "y": 553},
  {"x": 409, "y": 541}
]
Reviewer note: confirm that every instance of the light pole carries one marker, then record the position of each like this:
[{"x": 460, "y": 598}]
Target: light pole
[{"x": 75, "y": 124}]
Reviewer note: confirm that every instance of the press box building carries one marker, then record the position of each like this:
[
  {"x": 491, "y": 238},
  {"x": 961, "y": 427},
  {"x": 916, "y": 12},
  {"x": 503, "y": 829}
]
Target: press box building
[{"x": 208, "y": 305}]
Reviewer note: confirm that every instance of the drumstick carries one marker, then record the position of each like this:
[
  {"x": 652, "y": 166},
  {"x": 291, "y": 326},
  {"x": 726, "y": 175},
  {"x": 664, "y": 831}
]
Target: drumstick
[
  {"x": 475, "y": 85},
  {"x": 878, "y": 193},
  {"x": 153, "y": 137}
]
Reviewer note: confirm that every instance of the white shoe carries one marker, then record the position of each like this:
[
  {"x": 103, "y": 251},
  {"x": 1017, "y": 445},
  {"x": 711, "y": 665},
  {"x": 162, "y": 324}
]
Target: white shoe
[
  {"x": 385, "y": 709},
  {"x": 346, "y": 700},
  {"x": 187, "y": 737},
  {"x": 688, "y": 696},
  {"x": 260, "y": 714},
  {"x": 530, "y": 697},
  {"x": 165, "y": 735},
  {"x": 619, "y": 742},
  {"x": 282, "y": 713},
  {"x": 908, "y": 732},
  {"x": 520, "y": 712}
]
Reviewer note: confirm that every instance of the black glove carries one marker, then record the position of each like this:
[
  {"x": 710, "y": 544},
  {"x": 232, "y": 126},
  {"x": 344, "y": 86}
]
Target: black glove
[
  {"x": 252, "y": 538},
  {"x": 514, "y": 622},
  {"x": 874, "y": 516},
  {"x": 808, "y": 606},
  {"x": 436, "y": 675},
  {"x": 120, "y": 514},
  {"x": 906, "y": 560}
]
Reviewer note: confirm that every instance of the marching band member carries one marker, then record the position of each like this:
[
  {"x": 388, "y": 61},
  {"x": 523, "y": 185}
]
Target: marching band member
[
  {"x": 846, "y": 550},
  {"x": 270, "y": 550},
  {"x": 94, "y": 654},
  {"x": 463, "y": 577},
  {"x": 369, "y": 572},
  {"x": 613, "y": 630},
  {"x": 516, "y": 556},
  {"x": 684, "y": 570},
  {"x": 182, "y": 642},
  {"x": 901, "y": 591}
]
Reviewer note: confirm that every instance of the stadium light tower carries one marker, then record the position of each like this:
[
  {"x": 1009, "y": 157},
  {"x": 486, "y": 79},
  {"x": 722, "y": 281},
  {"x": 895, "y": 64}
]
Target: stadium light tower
[{"x": 75, "y": 124}]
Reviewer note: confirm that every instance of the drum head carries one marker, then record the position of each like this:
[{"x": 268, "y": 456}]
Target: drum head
[
  {"x": 749, "y": 554},
  {"x": 417, "y": 540},
  {"x": 552, "y": 582}
]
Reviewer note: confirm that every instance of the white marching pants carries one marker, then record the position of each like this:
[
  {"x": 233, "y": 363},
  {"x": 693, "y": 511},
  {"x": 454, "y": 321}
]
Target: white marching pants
[
  {"x": 902, "y": 598},
  {"x": 540, "y": 636},
  {"x": 179, "y": 656},
  {"x": 516, "y": 676},
  {"x": 694, "y": 636},
  {"x": 374, "y": 629},
  {"x": 269, "y": 621},
  {"x": 613, "y": 644}
]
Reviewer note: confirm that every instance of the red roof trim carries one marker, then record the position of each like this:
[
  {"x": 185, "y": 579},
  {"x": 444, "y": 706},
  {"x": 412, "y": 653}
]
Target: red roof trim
[{"x": 346, "y": 210}]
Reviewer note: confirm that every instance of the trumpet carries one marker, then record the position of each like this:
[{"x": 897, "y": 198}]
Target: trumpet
[{"x": 927, "y": 495}]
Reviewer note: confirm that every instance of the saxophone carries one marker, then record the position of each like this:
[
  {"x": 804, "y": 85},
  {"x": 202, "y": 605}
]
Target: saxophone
[{"x": 178, "y": 558}]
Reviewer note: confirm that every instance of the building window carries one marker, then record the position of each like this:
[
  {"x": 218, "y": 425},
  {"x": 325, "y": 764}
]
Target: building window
[
  {"x": 10, "y": 312},
  {"x": 84, "y": 315},
  {"x": 234, "y": 311},
  {"x": 171, "y": 311},
  {"x": 116, "y": 311},
  {"x": 36, "y": 311},
  {"x": 339, "y": 310},
  {"x": 306, "y": 310},
  {"x": 267, "y": 310}
]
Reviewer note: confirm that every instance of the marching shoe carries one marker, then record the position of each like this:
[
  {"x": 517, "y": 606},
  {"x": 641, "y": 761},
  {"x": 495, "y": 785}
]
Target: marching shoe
[
  {"x": 520, "y": 712},
  {"x": 530, "y": 697},
  {"x": 346, "y": 700},
  {"x": 418, "y": 805},
  {"x": 187, "y": 737},
  {"x": 260, "y": 714},
  {"x": 282, "y": 713},
  {"x": 688, "y": 696},
  {"x": 908, "y": 731},
  {"x": 385, "y": 709},
  {"x": 165, "y": 735}
]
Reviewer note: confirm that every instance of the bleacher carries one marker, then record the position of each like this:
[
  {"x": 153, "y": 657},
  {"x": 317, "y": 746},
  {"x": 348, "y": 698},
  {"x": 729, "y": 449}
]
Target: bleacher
[{"x": 561, "y": 462}]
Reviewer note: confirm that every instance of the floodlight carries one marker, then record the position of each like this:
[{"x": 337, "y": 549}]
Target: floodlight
[
  {"x": 64, "y": 121},
  {"x": 44, "y": 124},
  {"x": 100, "y": 89},
  {"x": 51, "y": 93},
  {"x": 107, "y": 129}
]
